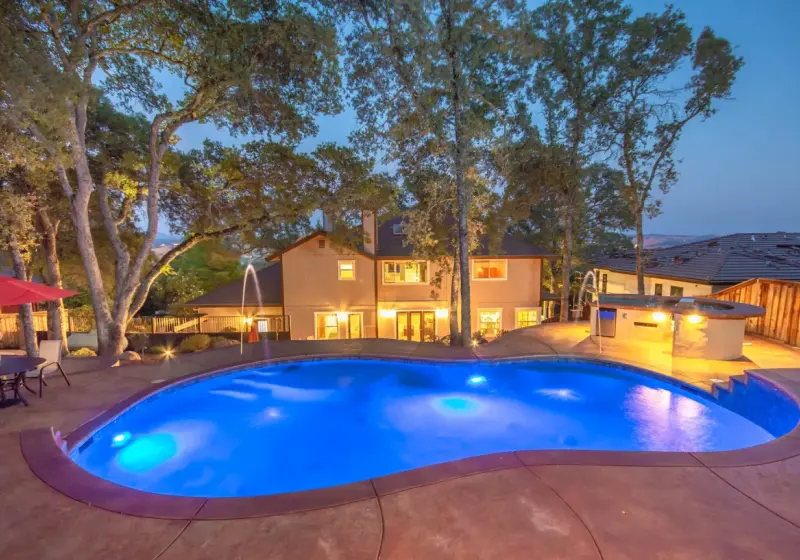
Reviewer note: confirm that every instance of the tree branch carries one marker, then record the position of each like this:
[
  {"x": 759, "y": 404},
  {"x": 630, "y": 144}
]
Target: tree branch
[{"x": 110, "y": 16}]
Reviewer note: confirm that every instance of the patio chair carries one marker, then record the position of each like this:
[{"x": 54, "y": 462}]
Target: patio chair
[{"x": 50, "y": 350}]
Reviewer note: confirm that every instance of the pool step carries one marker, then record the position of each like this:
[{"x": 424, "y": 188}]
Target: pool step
[{"x": 758, "y": 401}]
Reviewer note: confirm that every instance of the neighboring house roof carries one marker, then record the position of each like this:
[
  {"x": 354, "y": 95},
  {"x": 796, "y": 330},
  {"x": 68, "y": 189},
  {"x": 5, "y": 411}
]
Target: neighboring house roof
[
  {"x": 723, "y": 260},
  {"x": 269, "y": 280},
  {"x": 391, "y": 245}
]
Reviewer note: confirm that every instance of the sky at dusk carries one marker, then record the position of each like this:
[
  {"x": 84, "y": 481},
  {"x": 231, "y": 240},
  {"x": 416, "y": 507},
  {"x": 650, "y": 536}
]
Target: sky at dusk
[{"x": 740, "y": 170}]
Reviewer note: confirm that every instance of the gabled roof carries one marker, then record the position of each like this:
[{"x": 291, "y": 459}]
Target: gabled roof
[
  {"x": 319, "y": 233},
  {"x": 269, "y": 280},
  {"x": 723, "y": 260},
  {"x": 391, "y": 245}
]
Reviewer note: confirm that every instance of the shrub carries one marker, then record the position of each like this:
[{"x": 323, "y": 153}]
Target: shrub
[
  {"x": 195, "y": 343},
  {"x": 222, "y": 342},
  {"x": 157, "y": 349},
  {"x": 138, "y": 341},
  {"x": 82, "y": 353}
]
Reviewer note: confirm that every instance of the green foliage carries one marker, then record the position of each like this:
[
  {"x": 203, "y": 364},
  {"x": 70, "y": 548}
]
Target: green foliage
[
  {"x": 195, "y": 343},
  {"x": 82, "y": 353},
  {"x": 158, "y": 350}
]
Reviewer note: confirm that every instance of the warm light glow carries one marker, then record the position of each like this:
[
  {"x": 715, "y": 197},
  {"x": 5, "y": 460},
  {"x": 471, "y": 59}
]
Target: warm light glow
[
  {"x": 247, "y": 320},
  {"x": 168, "y": 353},
  {"x": 388, "y": 313},
  {"x": 474, "y": 343},
  {"x": 695, "y": 319},
  {"x": 341, "y": 315},
  {"x": 442, "y": 313},
  {"x": 659, "y": 316}
]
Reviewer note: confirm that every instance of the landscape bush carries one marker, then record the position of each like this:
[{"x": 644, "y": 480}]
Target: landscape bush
[
  {"x": 157, "y": 349},
  {"x": 222, "y": 342},
  {"x": 82, "y": 353},
  {"x": 195, "y": 343}
]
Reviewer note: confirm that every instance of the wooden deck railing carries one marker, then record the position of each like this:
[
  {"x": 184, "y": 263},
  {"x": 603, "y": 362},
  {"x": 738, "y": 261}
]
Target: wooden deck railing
[
  {"x": 780, "y": 298},
  {"x": 187, "y": 324}
]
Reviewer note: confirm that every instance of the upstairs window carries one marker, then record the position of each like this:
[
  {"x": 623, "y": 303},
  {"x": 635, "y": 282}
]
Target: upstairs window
[
  {"x": 347, "y": 270},
  {"x": 490, "y": 269},
  {"x": 409, "y": 272},
  {"x": 658, "y": 290},
  {"x": 676, "y": 291}
]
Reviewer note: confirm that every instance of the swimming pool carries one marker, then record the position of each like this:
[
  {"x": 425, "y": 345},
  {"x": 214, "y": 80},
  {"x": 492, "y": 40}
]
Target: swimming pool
[{"x": 307, "y": 425}]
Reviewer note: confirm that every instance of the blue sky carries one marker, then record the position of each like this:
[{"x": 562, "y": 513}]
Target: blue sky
[{"x": 740, "y": 170}]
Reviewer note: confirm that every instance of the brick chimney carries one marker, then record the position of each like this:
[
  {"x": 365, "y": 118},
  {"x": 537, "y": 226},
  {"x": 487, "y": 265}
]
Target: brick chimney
[{"x": 370, "y": 226}]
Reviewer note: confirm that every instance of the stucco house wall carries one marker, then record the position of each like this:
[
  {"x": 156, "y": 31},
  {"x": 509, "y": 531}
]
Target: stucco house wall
[
  {"x": 311, "y": 285},
  {"x": 520, "y": 290},
  {"x": 622, "y": 283}
]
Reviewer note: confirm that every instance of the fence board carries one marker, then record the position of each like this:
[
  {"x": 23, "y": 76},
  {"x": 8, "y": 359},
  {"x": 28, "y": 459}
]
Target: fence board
[{"x": 780, "y": 299}]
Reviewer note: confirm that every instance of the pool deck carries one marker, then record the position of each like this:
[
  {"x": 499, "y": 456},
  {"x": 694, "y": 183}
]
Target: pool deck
[{"x": 523, "y": 507}]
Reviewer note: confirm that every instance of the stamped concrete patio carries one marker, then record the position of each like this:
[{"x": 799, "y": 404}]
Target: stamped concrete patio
[{"x": 722, "y": 507}]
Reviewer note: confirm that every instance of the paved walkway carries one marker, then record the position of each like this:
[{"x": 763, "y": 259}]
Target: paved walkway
[{"x": 542, "y": 512}]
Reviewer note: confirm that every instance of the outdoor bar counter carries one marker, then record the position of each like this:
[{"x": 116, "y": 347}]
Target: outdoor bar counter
[{"x": 696, "y": 327}]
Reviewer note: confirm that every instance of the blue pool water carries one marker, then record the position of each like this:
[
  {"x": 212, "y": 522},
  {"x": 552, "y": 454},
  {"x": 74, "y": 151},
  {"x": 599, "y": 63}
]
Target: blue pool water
[{"x": 309, "y": 425}]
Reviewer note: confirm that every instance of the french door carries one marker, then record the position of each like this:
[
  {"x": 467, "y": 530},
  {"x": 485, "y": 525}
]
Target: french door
[{"x": 417, "y": 326}]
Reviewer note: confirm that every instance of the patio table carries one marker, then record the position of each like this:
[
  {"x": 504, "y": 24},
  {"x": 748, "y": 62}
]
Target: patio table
[{"x": 12, "y": 375}]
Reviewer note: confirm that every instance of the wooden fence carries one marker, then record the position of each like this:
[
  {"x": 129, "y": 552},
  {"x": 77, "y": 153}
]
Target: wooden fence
[
  {"x": 780, "y": 298},
  {"x": 188, "y": 324}
]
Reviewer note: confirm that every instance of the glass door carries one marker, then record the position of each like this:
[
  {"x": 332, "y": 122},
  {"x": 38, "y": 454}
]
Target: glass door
[
  {"x": 428, "y": 326},
  {"x": 354, "y": 325}
]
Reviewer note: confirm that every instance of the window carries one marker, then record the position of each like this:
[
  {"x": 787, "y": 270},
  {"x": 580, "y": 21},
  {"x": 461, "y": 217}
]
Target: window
[
  {"x": 604, "y": 284},
  {"x": 490, "y": 321},
  {"x": 659, "y": 289},
  {"x": 399, "y": 229},
  {"x": 321, "y": 244},
  {"x": 327, "y": 326},
  {"x": 527, "y": 317},
  {"x": 347, "y": 270},
  {"x": 409, "y": 272},
  {"x": 490, "y": 269},
  {"x": 676, "y": 291}
]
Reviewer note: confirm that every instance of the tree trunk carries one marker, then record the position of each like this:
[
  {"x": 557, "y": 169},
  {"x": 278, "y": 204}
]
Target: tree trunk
[
  {"x": 639, "y": 254},
  {"x": 79, "y": 212},
  {"x": 463, "y": 194},
  {"x": 566, "y": 267},
  {"x": 455, "y": 338},
  {"x": 27, "y": 331},
  {"x": 56, "y": 323}
]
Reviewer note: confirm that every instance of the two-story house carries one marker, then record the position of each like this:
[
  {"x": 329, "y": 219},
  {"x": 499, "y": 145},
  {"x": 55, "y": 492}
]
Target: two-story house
[{"x": 329, "y": 291}]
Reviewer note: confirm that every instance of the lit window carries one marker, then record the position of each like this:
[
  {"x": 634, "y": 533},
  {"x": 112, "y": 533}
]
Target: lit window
[
  {"x": 347, "y": 270},
  {"x": 399, "y": 229},
  {"x": 408, "y": 272},
  {"x": 490, "y": 269},
  {"x": 489, "y": 321},
  {"x": 327, "y": 326},
  {"x": 527, "y": 317},
  {"x": 676, "y": 291}
]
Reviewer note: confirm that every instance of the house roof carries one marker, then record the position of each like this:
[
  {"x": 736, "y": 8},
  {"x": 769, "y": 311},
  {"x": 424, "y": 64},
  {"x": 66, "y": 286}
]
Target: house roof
[
  {"x": 723, "y": 260},
  {"x": 269, "y": 280},
  {"x": 391, "y": 245}
]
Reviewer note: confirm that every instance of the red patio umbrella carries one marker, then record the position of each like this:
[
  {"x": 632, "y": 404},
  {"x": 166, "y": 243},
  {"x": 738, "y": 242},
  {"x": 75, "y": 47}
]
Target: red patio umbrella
[{"x": 15, "y": 292}]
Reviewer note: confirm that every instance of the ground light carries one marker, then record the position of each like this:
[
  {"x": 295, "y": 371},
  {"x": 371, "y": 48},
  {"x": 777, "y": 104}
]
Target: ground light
[
  {"x": 695, "y": 319},
  {"x": 168, "y": 353},
  {"x": 476, "y": 380}
]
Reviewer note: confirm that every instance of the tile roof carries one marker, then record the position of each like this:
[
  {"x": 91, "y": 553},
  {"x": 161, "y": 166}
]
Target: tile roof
[
  {"x": 391, "y": 245},
  {"x": 269, "y": 280},
  {"x": 723, "y": 260}
]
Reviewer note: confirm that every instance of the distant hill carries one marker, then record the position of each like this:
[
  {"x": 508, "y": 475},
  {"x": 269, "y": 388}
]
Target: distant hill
[{"x": 658, "y": 240}]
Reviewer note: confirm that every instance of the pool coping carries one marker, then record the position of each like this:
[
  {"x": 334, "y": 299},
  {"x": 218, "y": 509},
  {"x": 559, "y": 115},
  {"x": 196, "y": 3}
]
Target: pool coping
[{"x": 45, "y": 453}]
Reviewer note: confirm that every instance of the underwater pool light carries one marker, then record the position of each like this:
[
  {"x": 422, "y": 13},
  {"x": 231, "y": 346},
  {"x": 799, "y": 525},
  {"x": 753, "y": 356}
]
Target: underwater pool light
[
  {"x": 120, "y": 439},
  {"x": 476, "y": 380}
]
